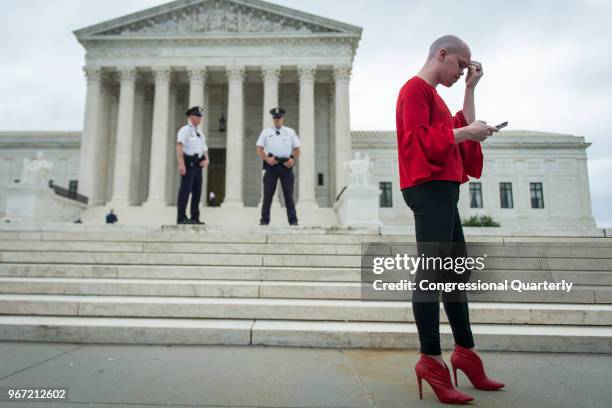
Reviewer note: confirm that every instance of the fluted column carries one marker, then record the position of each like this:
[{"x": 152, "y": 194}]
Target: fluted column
[
  {"x": 307, "y": 136},
  {"x": 172, "y": 165},
  {"x": 342, "y": 77},
  {"x": 90, "y": 136},
  {"x": 159, "y": 138},
  {"x": 197, "y": 97},
  {"x": 100, "y": 180},
  {"x": 204, "y": 125},
  {"x": 235, "y": 137},
  {"x": 197, "y": 82},
  {"x": 270, "y": 74},
  {"x": 125, "y": 130}
]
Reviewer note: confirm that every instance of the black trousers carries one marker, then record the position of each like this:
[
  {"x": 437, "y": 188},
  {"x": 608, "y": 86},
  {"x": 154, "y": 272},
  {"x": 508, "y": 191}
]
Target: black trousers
[
  {"x": 271, "y": 176},
  {"x": 438, "y": 233},
  {"x": 191, "y": 183}
]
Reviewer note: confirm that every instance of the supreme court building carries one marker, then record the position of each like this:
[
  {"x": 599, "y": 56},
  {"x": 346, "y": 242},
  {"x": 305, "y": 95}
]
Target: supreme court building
[{"x": 238, "y": 59}]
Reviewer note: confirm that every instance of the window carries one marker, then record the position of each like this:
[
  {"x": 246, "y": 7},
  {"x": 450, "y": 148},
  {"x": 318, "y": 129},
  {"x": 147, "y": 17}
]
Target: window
[
  {"x": 320, "y": 179},
  {"x": 73, "y": 186},
  {"x": 475, "y": 195},
  {"x": 505, "y": 195},
  {"x": 537, "y": 195},
  {"x": 386, "y": 195}
]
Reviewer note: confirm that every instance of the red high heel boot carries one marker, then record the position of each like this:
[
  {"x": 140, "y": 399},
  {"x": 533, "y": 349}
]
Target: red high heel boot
[
  {"x": 439, "y": 379},
  {"x": 469, "y": 362}
]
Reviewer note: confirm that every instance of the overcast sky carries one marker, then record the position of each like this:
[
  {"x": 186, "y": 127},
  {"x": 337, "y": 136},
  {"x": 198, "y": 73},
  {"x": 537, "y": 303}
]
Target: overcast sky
[{"x": 548, "y": 64}]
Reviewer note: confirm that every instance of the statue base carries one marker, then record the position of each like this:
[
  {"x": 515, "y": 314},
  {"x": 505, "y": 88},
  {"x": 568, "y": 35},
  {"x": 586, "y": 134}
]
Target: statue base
[
  {"x": 31, "y": 203},
  {"x": 358, "y": 206}
]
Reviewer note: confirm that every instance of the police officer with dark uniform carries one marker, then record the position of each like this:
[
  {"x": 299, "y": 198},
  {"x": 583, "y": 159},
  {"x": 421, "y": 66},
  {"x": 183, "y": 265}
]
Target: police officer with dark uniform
[
  {"x": 279, "y": 147},
  {"x": 192, "y": 155}
]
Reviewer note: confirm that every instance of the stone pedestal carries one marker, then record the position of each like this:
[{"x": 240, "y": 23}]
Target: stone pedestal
[
  {"x": 28, "y": 203},
  {"x": 32, "y": 200},
  {"x": 358, "y": 206}
]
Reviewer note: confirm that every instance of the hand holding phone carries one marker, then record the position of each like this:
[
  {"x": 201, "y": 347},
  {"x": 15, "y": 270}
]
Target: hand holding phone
[
  {"x": 501, "y": 125},
  {"x": 479, "y": 130}
]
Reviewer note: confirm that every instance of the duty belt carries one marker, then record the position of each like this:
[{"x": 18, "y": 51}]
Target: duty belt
[
  {"x": 279, "y": 160},
  {"x": 192, "y": 159}
]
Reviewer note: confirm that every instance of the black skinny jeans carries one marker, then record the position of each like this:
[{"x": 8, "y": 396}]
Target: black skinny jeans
[{"x": 438, "y": 233}]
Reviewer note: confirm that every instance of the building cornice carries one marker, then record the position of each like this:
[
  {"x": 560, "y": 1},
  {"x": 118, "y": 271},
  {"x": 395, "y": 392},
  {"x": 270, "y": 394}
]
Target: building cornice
[
  {"x": 40, "y": 139},
  {"x": 503, "y": 140}
]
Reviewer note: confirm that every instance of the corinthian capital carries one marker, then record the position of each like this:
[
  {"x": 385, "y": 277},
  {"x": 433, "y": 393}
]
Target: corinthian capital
[
  {"x": 235, "y": 72},
  {"x": 307, "y": 73},
  {"x": 342, "y": 73},
  {"x": 197, "y": 73},
  {"x": 93, "y": 73},
  {"x": 127, "y": 74},
  {"x": 162, "y": 74},
  {"x": 270, "y": 73}
]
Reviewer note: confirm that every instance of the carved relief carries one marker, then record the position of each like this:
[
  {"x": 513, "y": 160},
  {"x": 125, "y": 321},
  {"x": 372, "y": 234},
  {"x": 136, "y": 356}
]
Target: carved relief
[
  {"x": 361, "y": 170},
  {"x": 35, "y": 172},
  {"x": 217, "y": 17},
  {"x": 294, "y": 47}
]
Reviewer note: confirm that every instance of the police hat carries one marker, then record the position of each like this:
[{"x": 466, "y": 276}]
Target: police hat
[
  {"x": 277, "y": 113},
  {"x": 196, "y": 110}
]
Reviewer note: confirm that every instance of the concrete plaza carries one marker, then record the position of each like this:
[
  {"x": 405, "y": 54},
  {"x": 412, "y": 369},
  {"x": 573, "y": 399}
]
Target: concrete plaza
[{"x": 253, "y": 376}]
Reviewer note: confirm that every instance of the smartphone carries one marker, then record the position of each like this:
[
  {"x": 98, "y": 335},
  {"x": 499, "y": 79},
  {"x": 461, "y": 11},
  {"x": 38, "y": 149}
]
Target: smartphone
[{"x": 501, "y": 125}]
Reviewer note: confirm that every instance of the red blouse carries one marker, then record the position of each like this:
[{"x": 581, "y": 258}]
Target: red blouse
[{"x": 426, "y": 145}]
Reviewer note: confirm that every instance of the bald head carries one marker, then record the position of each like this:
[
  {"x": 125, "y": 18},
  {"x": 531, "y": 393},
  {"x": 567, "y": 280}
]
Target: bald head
[{"x": 451, "y": 43}]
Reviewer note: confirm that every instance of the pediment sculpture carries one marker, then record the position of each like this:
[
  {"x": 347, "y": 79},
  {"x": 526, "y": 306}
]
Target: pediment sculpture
[{"x": 217, "y": 17}]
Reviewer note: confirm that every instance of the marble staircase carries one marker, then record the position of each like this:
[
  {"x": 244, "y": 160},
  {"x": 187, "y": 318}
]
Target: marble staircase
[{"x": 281, "y": 286}]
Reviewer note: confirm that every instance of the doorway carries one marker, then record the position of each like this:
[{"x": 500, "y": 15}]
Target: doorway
[{"x": 216, "y": 175}]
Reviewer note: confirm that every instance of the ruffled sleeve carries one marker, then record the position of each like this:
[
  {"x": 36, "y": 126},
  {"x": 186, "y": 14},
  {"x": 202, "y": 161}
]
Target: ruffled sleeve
[
  {"x": 471, "y": 152},
  {"x": 426, "y": 147}
]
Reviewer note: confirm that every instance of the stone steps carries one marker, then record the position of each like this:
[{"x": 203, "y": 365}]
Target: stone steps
[
  {"x": 549, "y": 338},
  {"x": 293, "y": 309},
  {"x": 599, "y": 250},
  {"x": 186, "y": 233},
  {"x": 281, "y": 286},
  {"x": 263, "y": 289},
  {"x": 354, "y": 261},
  {"x": 238, "y": 272},
  {"x": 180, "y": 247}
]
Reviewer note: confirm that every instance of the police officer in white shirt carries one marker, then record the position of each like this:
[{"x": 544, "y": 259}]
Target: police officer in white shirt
[
  {"x": 279, "y": 147},
  {"x": 192, "y": 156}
]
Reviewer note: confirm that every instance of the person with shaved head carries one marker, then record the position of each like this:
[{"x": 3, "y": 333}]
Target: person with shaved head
[{"x": 437, "y": 152}]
